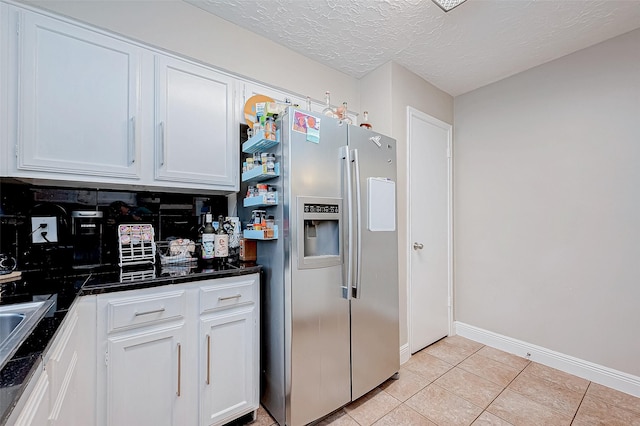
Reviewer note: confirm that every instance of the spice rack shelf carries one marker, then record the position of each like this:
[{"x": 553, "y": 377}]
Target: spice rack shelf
[
  {"x": 259, "y": 174},
  {"x": 258, "y": 143},
  {"x": 260, "y": 234},
  {"x": 255, "y": 144},
  {"x": 259, "y": 201}
]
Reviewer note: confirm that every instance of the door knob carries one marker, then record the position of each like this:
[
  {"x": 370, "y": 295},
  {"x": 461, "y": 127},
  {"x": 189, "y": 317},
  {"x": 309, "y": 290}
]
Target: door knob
[{"x": 418, "y": 246}]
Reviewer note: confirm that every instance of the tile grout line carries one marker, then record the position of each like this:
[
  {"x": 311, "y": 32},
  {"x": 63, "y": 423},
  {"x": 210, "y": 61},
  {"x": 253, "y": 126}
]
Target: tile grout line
[
  {"x": 454, "y": 366},
  {"x": 502, "y": 391},
  {"x": 433, "y": 382},
  {"x": 581, "y": 401}
]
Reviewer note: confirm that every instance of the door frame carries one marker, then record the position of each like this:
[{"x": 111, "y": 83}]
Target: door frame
[{"x": 413, "y": 113}]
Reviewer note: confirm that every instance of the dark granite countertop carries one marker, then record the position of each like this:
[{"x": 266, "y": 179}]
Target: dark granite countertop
[{"x": 64, "y": 286}]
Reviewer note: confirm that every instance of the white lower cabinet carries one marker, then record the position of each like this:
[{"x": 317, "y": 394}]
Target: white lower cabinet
[
  {"x": 144, "y": 377},
  {"x": 70, "y": 364},
  {"x": 33, "y": 407},
  {"x": 230, "y": 338},
  {"x": 183, "y": 354},
  {"x": 62, "y": 391}
]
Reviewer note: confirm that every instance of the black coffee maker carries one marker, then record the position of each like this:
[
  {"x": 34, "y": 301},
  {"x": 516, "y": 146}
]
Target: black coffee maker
[{"x": 86, "y": 235}]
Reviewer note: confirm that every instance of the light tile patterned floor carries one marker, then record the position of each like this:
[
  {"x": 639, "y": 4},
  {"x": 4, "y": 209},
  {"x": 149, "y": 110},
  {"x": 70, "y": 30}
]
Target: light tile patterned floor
[{"x": 457, "y": 381}]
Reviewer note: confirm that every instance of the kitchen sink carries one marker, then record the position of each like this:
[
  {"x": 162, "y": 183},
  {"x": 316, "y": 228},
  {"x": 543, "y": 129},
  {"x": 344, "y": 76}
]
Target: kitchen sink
[
  {"x": 8, "y": 323},
  {"x": 17, "y": 321}
]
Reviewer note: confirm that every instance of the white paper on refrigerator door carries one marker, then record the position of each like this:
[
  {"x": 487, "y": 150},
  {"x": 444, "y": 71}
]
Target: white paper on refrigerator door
[{"x": 381, "y": 208}]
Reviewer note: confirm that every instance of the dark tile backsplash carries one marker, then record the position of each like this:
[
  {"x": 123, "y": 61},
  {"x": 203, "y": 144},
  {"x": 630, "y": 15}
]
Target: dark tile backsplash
[{"x": 172, "y": 215}]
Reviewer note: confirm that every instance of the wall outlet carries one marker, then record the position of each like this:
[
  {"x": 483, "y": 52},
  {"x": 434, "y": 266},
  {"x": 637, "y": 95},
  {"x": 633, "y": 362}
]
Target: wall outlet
[{"x": 44, "y": 229}]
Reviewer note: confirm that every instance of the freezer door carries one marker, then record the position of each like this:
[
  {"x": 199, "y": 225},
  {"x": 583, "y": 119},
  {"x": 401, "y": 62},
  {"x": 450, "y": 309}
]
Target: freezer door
[
  {"x": 318, "y": 343},
  {"x": 375, "y": 341}
]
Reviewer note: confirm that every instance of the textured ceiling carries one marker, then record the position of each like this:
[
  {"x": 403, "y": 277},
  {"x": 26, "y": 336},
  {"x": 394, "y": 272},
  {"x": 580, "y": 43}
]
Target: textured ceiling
[{"x": 477, "y": 43}]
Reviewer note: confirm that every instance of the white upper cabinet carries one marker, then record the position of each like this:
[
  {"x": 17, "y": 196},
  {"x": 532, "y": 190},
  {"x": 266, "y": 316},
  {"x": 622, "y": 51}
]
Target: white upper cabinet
[
  {"x": 77, "y": 102},
  {"x": 195, "y": 136},
  {"x": 85, "y": 106}
]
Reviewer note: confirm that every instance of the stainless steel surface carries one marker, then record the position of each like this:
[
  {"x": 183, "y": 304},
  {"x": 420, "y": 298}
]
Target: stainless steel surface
[
  {"x": 208, "y": 381},
  {"x": 86, "y": 213},
  {"x": 418, "y": 246},
  {"x": 312, "y": 330},
  {"x": 132, "y": 142},
  {"x": 358, "y": 224},
  {"x": 179, "y": 368},
  {"x": 322, "y": 246},
  {"x": 8, "y": 323},
  {"x": 345, "y": 154},
  {"x": 375, "y": 339},
  {"x": 17, "y": 321},
  {"x": 162, "y": 144},
  {"x": 155, "y": 311},
  {"x": 319, "y": 342},
  {"x": 237, "y": 296}
]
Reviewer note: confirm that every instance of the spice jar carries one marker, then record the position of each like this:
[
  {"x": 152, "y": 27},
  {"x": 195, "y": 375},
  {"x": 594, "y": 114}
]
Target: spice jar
[
  {"x": 271, "y": 195},
  {"x": 271, "y": 163},
  {"x": 270, "y": 129}
]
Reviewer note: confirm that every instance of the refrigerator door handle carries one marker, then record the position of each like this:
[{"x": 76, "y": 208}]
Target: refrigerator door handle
[
  {"x": 348, "y": 272},
  {"x": 358, "y": 225}
]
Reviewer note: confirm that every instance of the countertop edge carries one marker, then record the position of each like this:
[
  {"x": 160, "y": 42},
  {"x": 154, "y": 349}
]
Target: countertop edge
[{"x": 87, "y": 290}]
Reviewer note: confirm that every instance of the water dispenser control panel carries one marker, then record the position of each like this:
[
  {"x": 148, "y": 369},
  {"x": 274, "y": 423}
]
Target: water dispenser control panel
[{"x": 319, "y": 232}]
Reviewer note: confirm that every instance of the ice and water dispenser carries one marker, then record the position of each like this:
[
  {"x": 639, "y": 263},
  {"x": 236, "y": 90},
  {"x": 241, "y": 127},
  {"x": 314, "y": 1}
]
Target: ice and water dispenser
[{"x": 320, "y": 229}]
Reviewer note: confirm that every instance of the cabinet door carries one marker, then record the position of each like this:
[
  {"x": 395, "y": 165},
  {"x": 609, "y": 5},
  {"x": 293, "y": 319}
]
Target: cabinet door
[
  {"x": 62, "y": 364},
  {"x": 144, "y": 377},
  {"x": 36, "y": 408},
  {"x": 229, "y": 375},
  {"x": 77, "y": 101},
  {"x": 196, "y": 140},
  {"x": 70, "y": 363}
]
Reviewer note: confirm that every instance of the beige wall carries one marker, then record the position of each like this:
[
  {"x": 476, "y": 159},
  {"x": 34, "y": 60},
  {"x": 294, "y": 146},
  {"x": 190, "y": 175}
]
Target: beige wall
[
  {"x": 547, "y": 205},
  {"x": 184, "y": 29},
  {"x": 386, "y": 93}
]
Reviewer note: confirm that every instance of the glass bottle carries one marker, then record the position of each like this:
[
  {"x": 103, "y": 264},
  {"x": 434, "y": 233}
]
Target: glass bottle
[
  {"x": 365, "y": 120},
  {"x": 221, "y": 241},
  {"x": 344, "y": 116},
  {"x": 207, "y": 237},
  {"x": 308, "y": 103},
  {"x": 328, "y": 111}
]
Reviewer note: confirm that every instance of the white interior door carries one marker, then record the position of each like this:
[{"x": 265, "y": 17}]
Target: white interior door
[{"x": 430, "y": 233}]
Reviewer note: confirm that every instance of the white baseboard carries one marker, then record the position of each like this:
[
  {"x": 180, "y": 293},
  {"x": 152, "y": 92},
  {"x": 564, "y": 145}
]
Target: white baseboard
[
  {"x": 596, "y": 373},
  {"x": 405, "y": 353}
]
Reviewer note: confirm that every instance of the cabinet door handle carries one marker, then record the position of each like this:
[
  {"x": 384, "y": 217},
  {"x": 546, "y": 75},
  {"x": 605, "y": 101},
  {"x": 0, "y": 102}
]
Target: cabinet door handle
[
  {"x": 132, "y": 141},
  {"x": 237, "y": 296},
  {"x": 155, "y": 311},
  {"x": 179, "y": 368},
  {"x": 162, "y": 148},
  {"x": 208, "y": 359}
]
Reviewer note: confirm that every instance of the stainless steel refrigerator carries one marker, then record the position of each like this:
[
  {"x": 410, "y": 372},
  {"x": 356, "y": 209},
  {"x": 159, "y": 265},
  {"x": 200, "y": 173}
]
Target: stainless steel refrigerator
[{"x": 330, "y": 327}]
